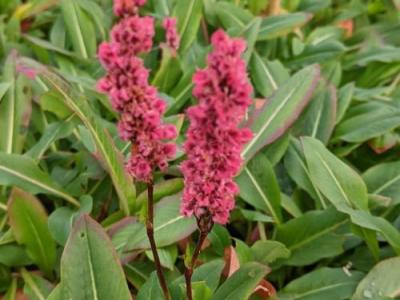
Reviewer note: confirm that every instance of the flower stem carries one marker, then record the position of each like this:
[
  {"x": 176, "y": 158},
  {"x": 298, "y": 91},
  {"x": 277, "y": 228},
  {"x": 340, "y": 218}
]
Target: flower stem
[
  {"x": 205, "y": 225},
  {"x": 150, "y": 235}
]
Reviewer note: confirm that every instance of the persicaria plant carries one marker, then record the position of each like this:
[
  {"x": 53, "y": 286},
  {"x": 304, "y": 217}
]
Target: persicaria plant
[{"x": 199, "y": 149}]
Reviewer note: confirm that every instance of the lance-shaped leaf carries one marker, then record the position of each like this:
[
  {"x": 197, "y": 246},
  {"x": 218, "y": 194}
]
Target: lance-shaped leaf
[
  {"x": 232, "y": 16},
  {"x": 275, "y": 26},
  {"x": 22, "y": 171},
  {"x": 188, "y": 14},
  {"x": 80, "y": 28},
  {"x": 28, "y": 220},
  {"x": 324, "y": 283},
  {"x": 384, "y": 179},
  {"x": 278, "y": 113},
  {"x": 242, "y": 283},
  {"x": 259, "y": 186},
  {"x": 90, "y": 268},
  {"x": 15, "y": 108},
  {"x": 311, "y": 236},
  {"x": 345, "y": 189},
  {"x": 267, "y": 76},
  {"x": 105, "y": 147},
  {"x": 319, "y": 118},
  {"x": 368, "y": 120},
  {"x": 381, "y": 282},
  {"x": 170, "y": 226}
]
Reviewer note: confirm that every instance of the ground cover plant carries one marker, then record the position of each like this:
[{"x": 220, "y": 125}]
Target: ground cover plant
[{"x": 199, "y": 149}]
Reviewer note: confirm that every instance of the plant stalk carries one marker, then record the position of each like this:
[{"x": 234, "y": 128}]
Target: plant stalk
[
  {"x": 204, "y": 225},
  {"x": 150, "y": 235}
]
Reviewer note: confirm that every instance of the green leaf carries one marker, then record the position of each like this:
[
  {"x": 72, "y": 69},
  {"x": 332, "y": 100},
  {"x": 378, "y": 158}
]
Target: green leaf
[
  {"x": 89, "y": 265},
  {"x": 319, "y": 53},
  {"x": 336, "y": 180},
  {"x": 163, "y": 189},
  {"x": 267, "y": 252},
  {"x": 276, "y": 26},
  {"x": 279, "y": 113},
  {"x": 22, "y": 171},
  {"x": 296, "y": 167},
  {"x": 324, "y": 283},
  {"x": 232, "y": 16},
  {"x": 15, "y": 108},
  {"x": 345, "y": 96},
  {"x": 382, "y": 281},
  {"x": 151, "y": 290},
  {"x": 384, "y": 179},
  {"x": 259, "y": 186},
  {"x": 169, "y": 226},
  {"x": 249, "y": 33},
  {"x": 188, "y": 14},
  {"x": 105, "y": 147},
  {"x": 169, "y": 71},
  {"x": 319, "y": 118},
  {"x": 52, "y": 132},
  {"x": 242, "y": 283},
  {"x": 28, "y": 220},
  {"x": 79, "y": 28},
  {"x": 367, "y": 121},
  {"x": 267, "y": 76},
  {"x": 209, "y": 273},
  {"x": 36, "y": 288},
  {"x": 311, "y": 236},
  {"x": 345, "y": 189}
]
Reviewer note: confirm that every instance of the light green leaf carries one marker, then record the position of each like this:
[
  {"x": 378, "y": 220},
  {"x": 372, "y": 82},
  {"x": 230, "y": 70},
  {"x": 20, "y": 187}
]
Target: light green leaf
[
  {"x": 79, "y": 28},
  {"x": 276, "y": 26},
  {"x": 259, "y": 186},
  {"x": 336, "y": 180},
  {"x": 242, "y": 283},
  {"x": 22, "y": 171},
  {"x": 324, "y": 283},
  {"x": 169, "y": 226},
  {"x": 15, "y": 108},
  {"x": 382, "y": 281},
  {"x": 311, "y": 236},
  {"x": 28, "y": 220},
  {"x": 267, "y": 76},
  {"x": 267, "y": 252},
  {"x": 384, "y": 179},
  {"x": 188, "y": 14}
]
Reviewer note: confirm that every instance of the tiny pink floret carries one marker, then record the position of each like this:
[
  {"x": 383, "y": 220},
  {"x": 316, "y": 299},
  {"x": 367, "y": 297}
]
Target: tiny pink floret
[
  {"x": 214, "y": 139},
  {"x": 127, "y": 85}
]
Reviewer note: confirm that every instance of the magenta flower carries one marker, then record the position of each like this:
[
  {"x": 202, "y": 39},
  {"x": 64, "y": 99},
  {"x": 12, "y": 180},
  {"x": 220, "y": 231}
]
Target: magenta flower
[
  {"x": 214, "y": 139},
  {"x": 138, "y": 103},
  {"x": 172, "y": 36}
]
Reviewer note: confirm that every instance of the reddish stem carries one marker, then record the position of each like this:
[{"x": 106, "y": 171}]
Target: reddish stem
[{"x": 150, "y": 235}]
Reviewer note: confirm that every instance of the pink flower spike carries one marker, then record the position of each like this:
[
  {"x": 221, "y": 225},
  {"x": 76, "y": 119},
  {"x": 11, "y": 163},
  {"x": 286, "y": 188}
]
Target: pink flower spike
[
  {"x": 172, "y": 36},
  {"x": 214, "y": 139},
  {"x": 127, "y": 85}
]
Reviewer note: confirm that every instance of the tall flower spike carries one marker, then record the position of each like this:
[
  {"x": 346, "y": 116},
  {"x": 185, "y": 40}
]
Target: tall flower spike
[
  {"x": 127, "y": 85},
  {"x": 171, "y": 33},
  {"x": 214, "y": 139}
]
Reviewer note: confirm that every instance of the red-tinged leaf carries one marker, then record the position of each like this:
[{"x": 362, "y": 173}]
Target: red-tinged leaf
[
  {"x": 265, "y": 289},
  {"x": 274, "y": 118},
  {"x": 232, "y": 263}
]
